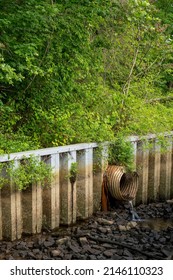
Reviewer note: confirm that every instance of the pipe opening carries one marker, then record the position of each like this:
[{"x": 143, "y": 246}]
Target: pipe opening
[
  {"x": 121, "y": 185},
  {"x": 128, "y": 186}
]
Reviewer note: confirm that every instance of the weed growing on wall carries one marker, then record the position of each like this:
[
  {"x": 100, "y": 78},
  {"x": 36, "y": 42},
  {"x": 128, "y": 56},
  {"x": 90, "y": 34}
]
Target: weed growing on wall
[
  {"x": 73, "y": 172},
  {"x": 30, "y": 171}
]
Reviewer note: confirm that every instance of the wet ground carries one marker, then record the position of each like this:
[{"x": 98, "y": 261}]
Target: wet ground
[{"x": 106, "y": 235}]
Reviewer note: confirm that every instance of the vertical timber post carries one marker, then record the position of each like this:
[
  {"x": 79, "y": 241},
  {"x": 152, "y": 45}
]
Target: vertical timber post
[
  {"x": 165, "y": 172},
  {"x": 51, "y": 215},
  {"x": 99, "y": 166},
  {"x": 11, "y": 210},
  {"x": 134, "y": 145},
  {"x": 154, "y": 171},
  {"x": 55, "y": 192},
  {"x": 67, "y": 190},
  {"x": 169, "y": 168},
  {"x": 157, "y": 170},
  {"x": 37, "y": 207},
  {"x": 18, "y": 208},
  {"x": 151, "y": 171},
  {"x": 85, "y": 183},
  {"x": 145, "y": 175},
  {"x": 142, "y": 169},
  {"x": 32, "y": 208},
  {"x": 89, "y": 166}
]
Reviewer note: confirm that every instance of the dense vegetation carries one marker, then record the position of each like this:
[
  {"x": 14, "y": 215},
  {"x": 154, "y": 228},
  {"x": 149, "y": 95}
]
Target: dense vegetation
[{"x": 84, "y": 70}]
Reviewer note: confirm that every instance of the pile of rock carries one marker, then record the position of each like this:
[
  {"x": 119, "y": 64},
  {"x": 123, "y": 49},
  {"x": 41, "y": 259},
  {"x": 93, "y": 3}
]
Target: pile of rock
[{"x": 106, "y": 235}]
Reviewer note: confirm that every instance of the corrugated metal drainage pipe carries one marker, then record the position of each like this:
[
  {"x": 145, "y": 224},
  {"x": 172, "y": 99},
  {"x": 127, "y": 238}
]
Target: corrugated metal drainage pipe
[{"x": 121, "y": 185}]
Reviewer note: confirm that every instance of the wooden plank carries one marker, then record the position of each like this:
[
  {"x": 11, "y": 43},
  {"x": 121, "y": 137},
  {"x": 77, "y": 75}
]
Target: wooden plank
[
  {"x": 81, "y": 186},
  {"x": 6, "y": 213},
  {"x": 48, "y": 151},
  {"x": 32, "y": 208},
  {"x": 139, "y": 164},
  {"x": 142, "y": 161},
  {"x": 55, "y": 192},
  {"x": 168, "y": 169},
  {"x": 39, "y": 209},
  {"x": 28, "y": 199},
  {"x": 134, "y": 145},
  {"x": 165, "y": 173},
  {"x": 154, "y": 171},
  {"x": 67, "y": 190},
  {"x": 100, "y": 161},
  {"x": 145, "y": 175},
  {"x": 69, "y": 148},
  {"x": 18, "y": 207},
  {"x": 85, "y": 184},
  {"x": 89, "y": 178},
  {"x": 157, "y": 170},
  {"x": 11, "y": 210}
]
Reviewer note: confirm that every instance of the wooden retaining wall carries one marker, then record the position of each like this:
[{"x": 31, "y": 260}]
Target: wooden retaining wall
[{"x": 30, "y": 210}]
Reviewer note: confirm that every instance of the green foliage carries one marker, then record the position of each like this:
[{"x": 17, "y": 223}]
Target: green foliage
[
  {"x": 30, "y": 171},
  {"x": 81, "y": 71},
  {"x": 12, "y": 143},
  {"x": 73, "y": 172},
  {"x": 121, "y": 153}
]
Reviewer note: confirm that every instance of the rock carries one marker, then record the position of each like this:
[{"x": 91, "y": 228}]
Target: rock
[
  {"x": 131, "y": 224},
  {"x": 39, "y": 256},
  {"x": 23, "y": 254},
  {"x": 110, "y": 253},
  {"x": 45, "y": 257},
  {"x": 167, "y": 237},
  {"x": 67, "y": 256},
  {"x": 102, "y": 229},
  {"x": 49, "y": 242},
  {"x": 162, "y": 240},
  {"x": 107, "y": 245},
  {"x": 104, "y": 221},
  {"x": 169, "y": 201},
  {"x": 21, "y": 246},
  {"x": 166, "y": 252},
  {"x": 122, "y": 228},
  {"x": 56, "y": 253},
  {"x": 115, "y": 257},
  {"x": 75, "y": 243},
  {"x": 151, "y": 239},
  {"x": 93, "y": 251},
  {"x": 31, "y": 255},
  {"x": 100, "y": 257},
  {"x": 10, "y": 257},
  {"x": 92, "y": 257},
  {"x": 127, "y": 253},
  {"x": 157, "y": 246},
  {"x": 94, "y": 225},
  {"x": 30, "y": 244},
  {"x": 36, "y": 251},
  {"x": 62, "y": 240},
  {"x": 75, "y": 249},
  {"x": 156, "y": 235},
  {"x": 83, "y": 241}
]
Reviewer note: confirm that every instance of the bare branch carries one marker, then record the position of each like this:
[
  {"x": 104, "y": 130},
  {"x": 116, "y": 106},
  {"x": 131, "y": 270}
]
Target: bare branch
[
  {"x": 127, "y": 84},
  {"x": 160, "y": 99}
]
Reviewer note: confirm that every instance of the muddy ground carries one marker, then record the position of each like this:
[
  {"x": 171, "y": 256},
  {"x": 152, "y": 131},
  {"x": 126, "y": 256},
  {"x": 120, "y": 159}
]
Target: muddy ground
[{"x": 106, "y": 235}]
